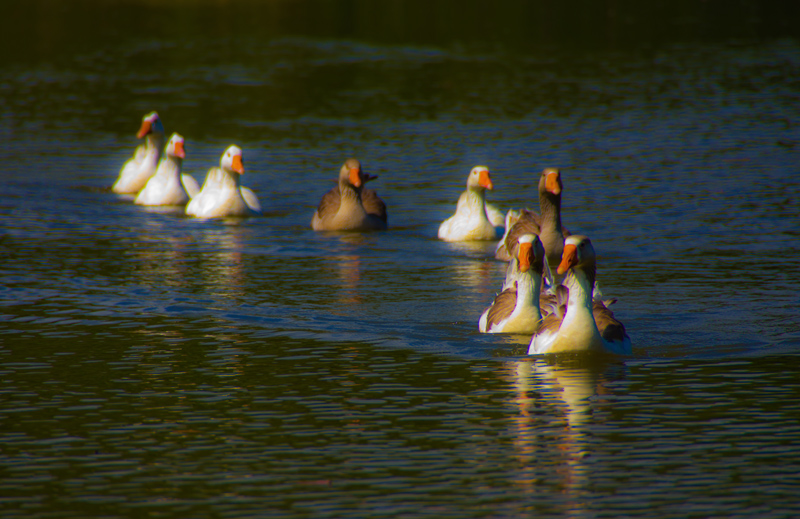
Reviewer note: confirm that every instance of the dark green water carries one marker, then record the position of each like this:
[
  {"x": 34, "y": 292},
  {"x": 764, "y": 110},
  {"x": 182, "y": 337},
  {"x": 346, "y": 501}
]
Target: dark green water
[{"x": 153, "y": 365}]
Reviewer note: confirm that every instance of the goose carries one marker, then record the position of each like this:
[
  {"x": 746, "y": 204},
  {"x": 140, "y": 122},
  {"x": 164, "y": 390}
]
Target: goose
[
  {"x": 349, "y": 206},
  {"x": 167, "y": 187},
  {"x": 585, "y": 324},
  {"x": 547, "y": 225},
  {"x": 221, "y": 194},
  {"x": 516, "y": 308},
  {"x": 493, "y": 213},
  {"x": 470, "y": 221},
  {"x": 137, "y": 170},
  {"x": 548, "y": 287}
]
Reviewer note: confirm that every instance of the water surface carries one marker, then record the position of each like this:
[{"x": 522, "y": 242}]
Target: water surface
[{"x": 160, "y": 366}]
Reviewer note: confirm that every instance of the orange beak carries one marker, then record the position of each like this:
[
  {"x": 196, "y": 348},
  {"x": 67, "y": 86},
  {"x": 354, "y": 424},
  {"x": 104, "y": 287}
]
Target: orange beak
[
  {"x": 525, "y": 255},
  {"x": 551, "y": 182},
  {"x": 237, "y": 165},
  {"x": 144, "y": 130},
  {"x": 485, "y": 180},
  {"x": 355, "y": 177},
  {"x": 569, "y": 258},
  {"x": 179, "y": 152}
]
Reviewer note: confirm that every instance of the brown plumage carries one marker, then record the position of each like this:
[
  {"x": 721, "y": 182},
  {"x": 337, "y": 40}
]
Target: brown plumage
[
  {"x": 609, "y": 327},
  {"x": 502, "y": 306},
  {"x": 546, "y": 226},
  {"x": 372, "y": 202},
  {"x": 348, "y": 206}
]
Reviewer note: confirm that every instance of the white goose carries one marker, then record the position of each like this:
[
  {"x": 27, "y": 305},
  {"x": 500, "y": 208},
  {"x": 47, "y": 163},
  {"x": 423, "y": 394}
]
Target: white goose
[
  {"x": 168, "y": 186},
  {"x": 585, "y": 325},
  {"x": 221, "y": 194},
  {"x": 137, "y": 170},
  {"x": 470, "y": 221},
  {"x": 516, "y": 308}
]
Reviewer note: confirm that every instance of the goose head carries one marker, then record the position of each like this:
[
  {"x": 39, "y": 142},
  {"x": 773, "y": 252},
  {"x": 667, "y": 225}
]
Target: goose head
[
  {"x": 175, "y": 147},
  {"x": 550, "y": 184},
  {"x": 232, "y": 160},
  {"x": 530, "y": 254},
  {"x": 351, "y": 173},
  {"x": 578, "y": 255},
  {"x": 479, "y": 179},
  {"x": 151, "y": 124}
]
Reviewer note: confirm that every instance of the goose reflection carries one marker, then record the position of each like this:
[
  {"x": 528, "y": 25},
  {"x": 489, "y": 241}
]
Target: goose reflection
[
  {"x": 223, "y": 267},
  {"x": 473, "y": 266},
  {"x": 347, "y": 266},
  {"x": 479, "y": 276},
  {"x": 162, "y": 259},
  {"x": 555, "y": 406}
]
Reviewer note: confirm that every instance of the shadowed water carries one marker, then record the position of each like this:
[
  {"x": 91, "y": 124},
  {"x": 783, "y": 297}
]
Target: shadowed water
[{"x": 156, "y": 365}]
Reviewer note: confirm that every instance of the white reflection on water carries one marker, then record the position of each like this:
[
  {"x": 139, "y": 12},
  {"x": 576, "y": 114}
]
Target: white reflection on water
[
  {"x": 480, "y": 278},
  {"x": 223, "y": 264},
  {"x": 555, "y": 384}
]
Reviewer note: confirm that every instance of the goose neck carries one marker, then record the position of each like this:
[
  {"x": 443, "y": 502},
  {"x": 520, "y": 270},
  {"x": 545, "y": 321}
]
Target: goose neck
[{"x": 529, "y": 284}]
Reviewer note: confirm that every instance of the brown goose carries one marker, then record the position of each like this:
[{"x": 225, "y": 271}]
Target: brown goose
[
  {"x": 516, "y": 308},
  {"x": 547, "y": 225},
  {"x": 585, "y": 325},
  {"x": 349, "y": 206}
]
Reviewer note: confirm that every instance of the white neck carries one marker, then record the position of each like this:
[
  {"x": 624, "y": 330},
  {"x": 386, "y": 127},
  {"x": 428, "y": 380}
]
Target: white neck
[
  {"x": 511, "y": 274},
  {"x": 579, "y": 318},
  {"x": 230, "y": 179},
  {"x": 529, "y": 284},
  {"x": 154, "y": 143},
  {"x": 475, "y": 203},
  {"x": 170, "y": 167}
]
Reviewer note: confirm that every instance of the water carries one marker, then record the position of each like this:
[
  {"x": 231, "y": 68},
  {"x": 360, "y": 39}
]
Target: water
[{"x": 160, "y": 366}]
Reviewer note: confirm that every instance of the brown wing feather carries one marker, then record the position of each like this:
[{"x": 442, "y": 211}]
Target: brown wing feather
[
  {"x": 373, "y": 204},
  {"x": 554, "y": 303},
  {"x": 528, "y": 223},
  {"x": 329, "y": 205},
  {"x": 551, "y": 323},
  {"x": 502, "y": 306},
  {"x": 607, "y": 325},
  {"x": 547, "y": 303}
]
